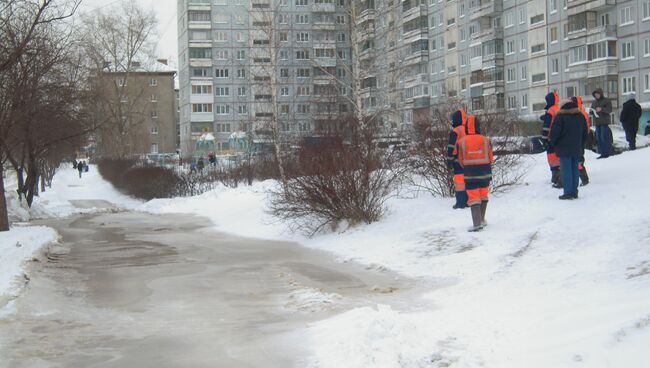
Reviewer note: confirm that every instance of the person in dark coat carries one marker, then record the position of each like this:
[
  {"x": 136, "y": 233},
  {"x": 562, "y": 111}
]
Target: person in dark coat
[
  {"x": 80, "y": 167},
  {"x": 200, "y": 165},
  {"x": 458, "y": 119},
  {"x": 603, "y": 108},
  {"x": 552, "y": 106},
  {"x": 630, "y": 116},
  {"x": 568, "y": 134}
]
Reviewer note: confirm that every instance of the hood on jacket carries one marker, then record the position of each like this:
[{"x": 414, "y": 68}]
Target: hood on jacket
[
  {"x": 631, "y": 96},
  {"x": 598, "y": 90},
  {"x": 552, "y": 99},
  {"x": 569, "y": 108},
  {"x": 459, "y": 117},
  {"x": 578, "y": 101},
  {"x": 473, "y": 125}
]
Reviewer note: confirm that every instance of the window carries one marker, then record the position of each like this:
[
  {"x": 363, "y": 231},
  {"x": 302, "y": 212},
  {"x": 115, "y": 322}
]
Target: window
[
  {"x": 222, "y": 55},
  {"x": 222, "y": 18},
  {"x": 646, "y": 10},
  {"x": 284, "y": 37},
  {"x": 553, "y": 6},
  {"x": 199, "y": 16},
  {"x": 222, "y": 109},
  {"x": 241, "y": 54},
  {"x": 511, "y": 75},
  {"x": 154, "y": 114},
  {"x": 510, "y": 47},
  {"x": 626, "y": 16},
  {"x": 202, "y": 90},
  {"x": 646, "y": 83},
  {"x": 340, "y": 19},
  {"x": 200, "y": 53},
  {"x": 242, "y": 110},
  {"x": 555, "y": 66},
  {"x": 222, "y": 91},
  {"x": 284, "y": 55},
  {"x": 302, "y": 54},
  {"x": 538, "y": 19},
  {"x": 522, "y": 16},
  {"x": 512, "y": 102},
  {"x": 340, "y": 37},
  {"x": 571, "y": 91},
  {"x": 463, "y": 60},
  {"x": 241, "y": 91},
  {"x": 284, "y": 73},
  {"x": 524, "y": 72},
  {"x": 221, "y": 37},
  {"x": 451, "y": 45},
  {"x": 303, "y": 73},
  {"x": 540, "y": 77},
  {"x": 222, "y": 128},
  {"x": 303, "y": 109},
  {"x": 463, "y": 35},
  {"x": 283, "y": 18},
  {"x": 302, "y": 2},
  {"x": 577, "y": 55},
  {"x": 154, "y": 148},
  {"x": 537, "y": 48},
  {"x": 629, "y": 85},
  {"x": 524, "y": 101},
  {"x": 284, "y": 109},
  {"x": 553, "y": 34},
  {"x": 627, "y": 50},
  {"x": 153, "y": 130},
  {"x": 201, "y": 107},
  {"x": 154, "y": 98},
  {"x": 646, "y": 47},
  {"x": 221, "y": 73},
  {"x": 523, "y": 44},
  {"x": 302, "y": 37},
  {"x": 284, "y": 91},
  {"x": 600, "y": 50},
  {"x": 451, "y": 22},
  {"x": 510, "y": 19},
  {"x": 303, "y": 91},
  {"x": 200, "y": 72},
  {"x": 241, "y": 73}
]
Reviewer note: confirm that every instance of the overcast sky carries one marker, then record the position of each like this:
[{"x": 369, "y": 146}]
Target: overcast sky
[{"x": 166, "y": 12}]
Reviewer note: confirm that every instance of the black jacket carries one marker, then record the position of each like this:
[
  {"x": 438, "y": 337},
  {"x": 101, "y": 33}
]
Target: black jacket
[
  {"x": 631, "y": 114},
  {"x": 569, "y": 131}
]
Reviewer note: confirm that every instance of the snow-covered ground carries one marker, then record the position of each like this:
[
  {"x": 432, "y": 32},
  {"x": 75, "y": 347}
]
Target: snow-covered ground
[
  {"x": 22, "y": 242},
  {"x": 549, "y": 283}
]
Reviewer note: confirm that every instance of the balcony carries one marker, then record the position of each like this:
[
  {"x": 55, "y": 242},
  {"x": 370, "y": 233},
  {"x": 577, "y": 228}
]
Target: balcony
[
  {"x": 199, "y": 4},
  {"x": 323, "y": 8},
  {"x": 592, "y": 35},
  {"x": 414, "y": 12},
  {"x": 325, "y": 62},
  {"x": 488, "y": 34},
  {"x": 367, "y": 54},
  {"x": 578, "y": 6},
  {"x": 600, "y": 68},
  {"x": 366, "y": 15},
  {"x": 420, "y": 102},
  {"x": 487, "y": 9}
]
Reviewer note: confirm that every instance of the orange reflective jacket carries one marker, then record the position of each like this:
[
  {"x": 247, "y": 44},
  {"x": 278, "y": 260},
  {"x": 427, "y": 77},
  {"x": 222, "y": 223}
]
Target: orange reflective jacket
[{"x": 474, "y": 149}]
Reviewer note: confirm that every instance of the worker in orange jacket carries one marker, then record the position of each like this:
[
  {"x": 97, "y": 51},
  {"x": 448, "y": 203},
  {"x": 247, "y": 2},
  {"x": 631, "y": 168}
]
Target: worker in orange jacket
[
  {"x": 584, "y": 177},
  {"x": 458, "y": 119},
  {"x": 475, "y": 156},
  {"x": 552, "y": 106}
]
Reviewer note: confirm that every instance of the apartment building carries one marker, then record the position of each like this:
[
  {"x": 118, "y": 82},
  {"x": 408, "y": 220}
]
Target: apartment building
[
  {"x": 244, "y": 63},
  {"x": 137, "y": 110}
]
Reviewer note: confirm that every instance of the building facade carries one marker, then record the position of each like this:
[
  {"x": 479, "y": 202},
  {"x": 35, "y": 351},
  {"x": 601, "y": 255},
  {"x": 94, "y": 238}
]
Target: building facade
[
  {"x": 137, "y": 111},
  {"x": 491, "y": 55}
]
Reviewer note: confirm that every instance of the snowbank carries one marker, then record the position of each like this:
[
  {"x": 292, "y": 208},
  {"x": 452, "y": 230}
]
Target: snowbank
[
  {"x": 548, "y": 284},
  {"x": 18, "y": 246}
]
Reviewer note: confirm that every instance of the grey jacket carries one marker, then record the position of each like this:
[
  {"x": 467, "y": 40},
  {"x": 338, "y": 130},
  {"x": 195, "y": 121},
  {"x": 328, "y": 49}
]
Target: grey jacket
[{"x": 605, "y": 104}]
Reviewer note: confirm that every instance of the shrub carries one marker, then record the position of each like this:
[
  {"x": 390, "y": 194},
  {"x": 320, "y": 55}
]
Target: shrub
[{"x": 149, "y": 182}]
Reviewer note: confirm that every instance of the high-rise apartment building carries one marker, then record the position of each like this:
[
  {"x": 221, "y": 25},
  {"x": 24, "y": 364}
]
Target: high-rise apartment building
[
  {"x": 407, "y": 56},
  {"x": 244, "y": 63}
]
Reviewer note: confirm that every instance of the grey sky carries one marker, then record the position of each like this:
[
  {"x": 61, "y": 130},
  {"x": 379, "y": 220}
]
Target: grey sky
[{"x": 166, "y": 12}]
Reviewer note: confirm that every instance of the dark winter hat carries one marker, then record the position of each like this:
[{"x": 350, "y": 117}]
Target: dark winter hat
[
  {"x": 458, "y": 117},
  {"x": 473, "y": 125},
  {"x": 552, "y": 99}
]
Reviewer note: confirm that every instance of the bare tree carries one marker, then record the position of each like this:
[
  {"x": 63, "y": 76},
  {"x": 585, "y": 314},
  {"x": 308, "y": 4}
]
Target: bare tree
[{"x": 119, "y": 42}]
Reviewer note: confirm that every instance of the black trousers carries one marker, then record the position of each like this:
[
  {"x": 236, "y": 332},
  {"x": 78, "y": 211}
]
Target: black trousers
[{"x": 630, "y": 135}]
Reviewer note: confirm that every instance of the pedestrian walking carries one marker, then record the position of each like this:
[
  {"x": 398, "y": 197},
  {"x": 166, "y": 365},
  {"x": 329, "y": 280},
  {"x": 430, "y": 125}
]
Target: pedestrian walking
[
  {"x": 630, "y": 115},
  {"x": 568, "y": 135},
  {"x": 552, "y": 106},
  {"x": 80, "y": 168},
  {"x": 458, "y": 119},
  {"x": 582, "y": 169},
  {"x": 475, "y": 156},
  {"x": 200, "y": 165},
  {"x": 602, "y": 108}
]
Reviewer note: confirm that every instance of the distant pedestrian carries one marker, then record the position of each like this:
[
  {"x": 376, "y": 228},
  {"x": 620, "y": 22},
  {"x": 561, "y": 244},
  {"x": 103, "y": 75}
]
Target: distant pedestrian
[
  {"x": 568, "y": 135},
  {"x": 475, "y": 156},
  {"x": 630, "y": 115},
  {"x": 80, "y": 168},
  {"x": 74, "y": 164},
  {"x": 213, "y": 159},
  {"x": 85, "y": 167},
  {"x": 602, "y": 107},
  {"x": 552, "y": 106},
  {"x": 200, "y": 165}
]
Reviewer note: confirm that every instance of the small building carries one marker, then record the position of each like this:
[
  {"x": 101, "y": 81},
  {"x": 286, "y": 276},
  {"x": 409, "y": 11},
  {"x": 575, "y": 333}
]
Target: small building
[{"x": 137, "y": 110}]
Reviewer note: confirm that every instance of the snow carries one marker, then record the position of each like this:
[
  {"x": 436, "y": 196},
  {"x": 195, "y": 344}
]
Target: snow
[
  {"x": 58, "y": 201},
  {"x": 549, "y": 283},
  {"x": 17, "y": 247}
]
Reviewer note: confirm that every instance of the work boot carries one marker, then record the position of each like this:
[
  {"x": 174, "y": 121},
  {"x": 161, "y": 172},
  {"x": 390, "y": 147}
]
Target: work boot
[
  {"x": 461, "y": 200},
  {"x": 557, "y": 179},
  {"x": 476, "y": 218},
  {"x": 483, "y": 209},
  {"x": 584, "y": 177}
]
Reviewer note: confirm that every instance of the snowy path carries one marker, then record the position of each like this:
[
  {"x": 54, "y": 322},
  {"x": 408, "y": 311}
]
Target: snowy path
[{"x": 128, "y": 289}]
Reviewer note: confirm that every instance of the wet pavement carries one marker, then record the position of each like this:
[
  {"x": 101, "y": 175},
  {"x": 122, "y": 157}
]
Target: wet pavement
[{"x": 129, "y": 289}]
